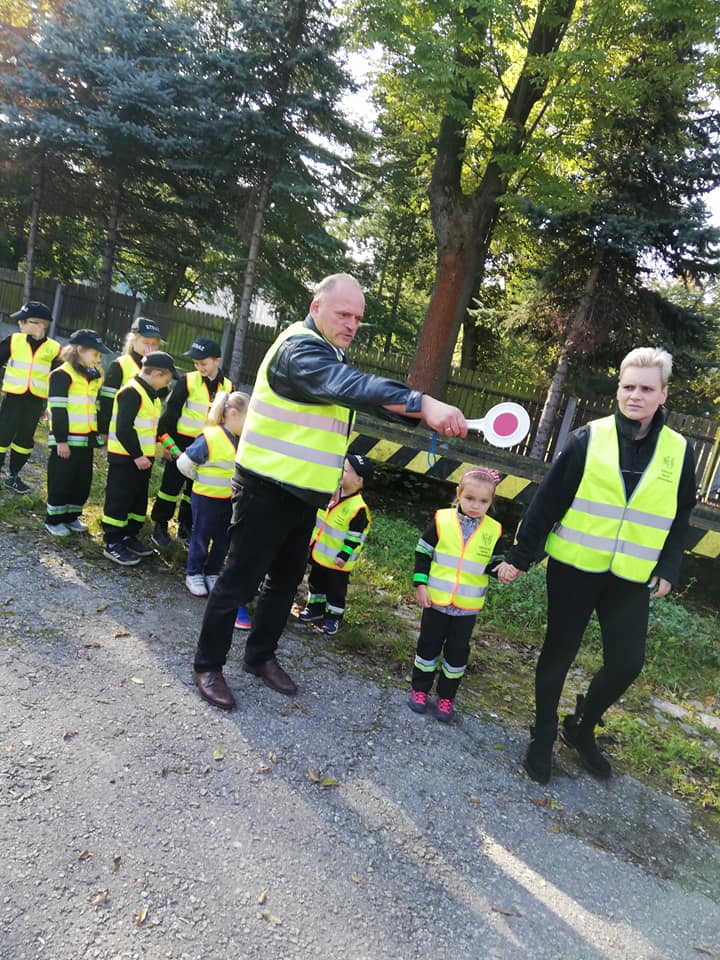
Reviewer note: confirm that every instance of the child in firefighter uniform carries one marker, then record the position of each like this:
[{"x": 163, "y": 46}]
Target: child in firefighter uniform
[
  {"x": 182, "y": 421},
  {"x": 73, "y": 436},
  {"x": 29, "y": 357},
  {"x": 451, "y": 561},
  {"x": 339, "y": 535},
  {"x": 144, "y": 337},
  {"x": 210, "y": 462},
  {"x": 131, "y": 452}
]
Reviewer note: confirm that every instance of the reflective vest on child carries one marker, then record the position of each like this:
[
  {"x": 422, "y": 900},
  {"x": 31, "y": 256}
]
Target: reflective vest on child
[
  {"x": 145, "y": 424},
  {"x": 214, "y": 477},
  {"x": 331, "y": 529},
  {"x": 81, "y": 407},
  {"x": 28, "y": 372},
  {"x": 457, "y": 571},
  {"x": 603, "y": 530},
  {"x": 195, "y": 409}
]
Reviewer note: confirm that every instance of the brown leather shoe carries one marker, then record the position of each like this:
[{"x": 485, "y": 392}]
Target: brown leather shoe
[
  {"x": 214, "y": 689},
  {"x": 273, "y": 675}
]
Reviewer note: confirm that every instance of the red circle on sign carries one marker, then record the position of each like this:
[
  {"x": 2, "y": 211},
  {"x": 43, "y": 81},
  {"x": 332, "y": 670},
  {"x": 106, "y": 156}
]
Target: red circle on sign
[{"x": 505, "y": 425}]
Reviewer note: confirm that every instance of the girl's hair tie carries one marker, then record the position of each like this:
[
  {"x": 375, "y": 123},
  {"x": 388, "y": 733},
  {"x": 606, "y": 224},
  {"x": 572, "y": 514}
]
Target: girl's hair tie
[{"x": 482, "y": 473}]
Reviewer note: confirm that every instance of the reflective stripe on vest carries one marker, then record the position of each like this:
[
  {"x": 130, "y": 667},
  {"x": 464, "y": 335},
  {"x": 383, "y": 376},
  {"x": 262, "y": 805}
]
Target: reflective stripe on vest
[
  {"x": 604, "y": 531},
  {"x": 214, "y": 477},
  {"x": 27, "y": 371},
  {"x": 301, "y": 444},
  {"x": 80, "y": 403},
  {"x": 195, "y": 409},
  {"x": 332, "y": 527},
  {"x": 457, "y": 571},
  {"x": 145, "y": 424}
]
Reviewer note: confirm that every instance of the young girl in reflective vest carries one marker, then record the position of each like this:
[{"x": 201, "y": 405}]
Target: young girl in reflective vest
[
  {"x": 210, "y": 462},
  {"x": 339, "y": 536},
  {"x": 73, "y": 436},
  {"x": 451, "y": 575}
]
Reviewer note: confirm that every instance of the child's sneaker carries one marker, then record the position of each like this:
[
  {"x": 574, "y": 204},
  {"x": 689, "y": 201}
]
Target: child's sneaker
[
  {"x": 118, "y": 554},
  {"x": 417, "y": 701},
  {"x": 313, "y": 613},
  {"x": 195, "y": 582},
  {"x": 160, "y": 536},
  {"x": 15, "y": 484},
  {"x": 444, "y": 711},
  {"x": 210, "y": 580},
  {"x": 57, "y": 529},
  {"x": 139, "y": 549},
  {"x": 330, "y": 626},
  {"x": 242, "y": 620},
  {"x": 77, "y": 526}
]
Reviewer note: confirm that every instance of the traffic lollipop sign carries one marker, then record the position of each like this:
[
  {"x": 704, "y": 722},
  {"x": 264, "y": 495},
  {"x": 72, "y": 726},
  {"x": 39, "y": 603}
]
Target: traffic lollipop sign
[{"x": 504, "y": 425}]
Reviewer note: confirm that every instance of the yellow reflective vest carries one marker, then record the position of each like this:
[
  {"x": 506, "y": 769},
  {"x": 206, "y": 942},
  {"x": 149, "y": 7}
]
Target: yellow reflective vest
[
  {"x": 457, "y": 571},
  {"x": 331, "y": 529},
  {"x": 195, "y": 409},
  {"x": 603, "y": 530},
  {"x": 28, "y": 372},
  {"x": 129, "y": 366},
  {"x": 81, "y": 406},
  {"x": 146, "y": 422},
  {"x": 301, "y": 444},
  {"x": 214, "y": 477}
]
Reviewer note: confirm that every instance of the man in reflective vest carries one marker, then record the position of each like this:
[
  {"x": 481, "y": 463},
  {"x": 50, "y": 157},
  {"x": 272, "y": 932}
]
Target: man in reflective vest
[
  {"x": 289, "y": 462},
  {"x": 29, "y": 357},
  {"x": 612, "y": 513}
]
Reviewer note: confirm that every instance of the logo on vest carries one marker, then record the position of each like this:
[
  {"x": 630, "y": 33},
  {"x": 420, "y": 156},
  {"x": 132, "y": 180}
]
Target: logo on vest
[{"x": 667, "y": 469}]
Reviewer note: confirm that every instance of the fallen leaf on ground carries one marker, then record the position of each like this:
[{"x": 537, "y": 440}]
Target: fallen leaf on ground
[
  {"x": 358, "y": 880},
  {"x": 262, "y": 896},
  {"x": 84, "y": 855},
  {"x": 69, "y": 733},
  {"x": 504, "y": 911},
  {"x": 314, "y": 775},
  {"x": 329, "y": 782},
  {"x": 701, "y": 949},
  {"x": 101, "y": 899},
  {"x": 140, "y": 916},
  {"x": 93, "y": 645},
  {"x": 219, "y": 752},
  {"x": 137, "y": 680},
  {"x": 122, "y": 633},
  {"x": 273, "y": 757},
  {"x": 7, "y": 601},
  {"x": 266, "y": 915},
  {"x": 116, "y": 861},
  {"x": 263, "y": 769},
  {"x": 103, "y": 607}
]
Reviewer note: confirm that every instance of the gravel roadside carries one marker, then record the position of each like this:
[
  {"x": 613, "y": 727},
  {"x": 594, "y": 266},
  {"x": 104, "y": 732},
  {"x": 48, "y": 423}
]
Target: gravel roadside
[{"x": 139, "y": 822}]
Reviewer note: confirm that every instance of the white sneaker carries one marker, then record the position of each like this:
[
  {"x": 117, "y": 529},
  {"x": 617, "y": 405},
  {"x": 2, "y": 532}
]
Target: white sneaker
[
  {"x": 196, "y": 585},
  {"x": 77, "y": 526},
  {"x": 57, "y": 529},
  {"x": 211, "y": 580}
]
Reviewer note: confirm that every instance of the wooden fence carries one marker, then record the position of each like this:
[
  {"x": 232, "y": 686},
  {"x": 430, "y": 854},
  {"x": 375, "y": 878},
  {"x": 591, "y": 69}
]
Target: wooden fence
[{"x": 74, "y": 307}]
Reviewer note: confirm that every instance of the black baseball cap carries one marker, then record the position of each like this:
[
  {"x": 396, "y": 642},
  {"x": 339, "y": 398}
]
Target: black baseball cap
[
  {"x": 203, "y": 347},
  {"x": 32, "y": 310},
  {"x": 146, "y": 327},
  {"x": 88, "y": 338},
  {"x": 160, "y": 361},
  {"x": 361, "y": 465}
]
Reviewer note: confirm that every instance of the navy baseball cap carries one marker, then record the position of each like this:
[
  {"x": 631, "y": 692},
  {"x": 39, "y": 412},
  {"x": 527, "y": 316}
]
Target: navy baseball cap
[
  {"x": 203, "y": 347},
  {"x": 160, "y": 361},
  {"x": 146, "y": 327},
  {"x": 88, "y": 338},
  {"x": 361, "y": 465},
  {"x": 33, "y": 310}
]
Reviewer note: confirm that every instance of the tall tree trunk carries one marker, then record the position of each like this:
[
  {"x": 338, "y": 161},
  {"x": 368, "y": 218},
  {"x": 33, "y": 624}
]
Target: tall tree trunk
[
  {"x": 172, "y": 289},
  {"x": 38, "y": 183},
  {"x": 242, "y": 316},
  {"x": 108, "y": 260},
  {"x": 573, "y": 336},
  {"x": 476, "y": 219}
]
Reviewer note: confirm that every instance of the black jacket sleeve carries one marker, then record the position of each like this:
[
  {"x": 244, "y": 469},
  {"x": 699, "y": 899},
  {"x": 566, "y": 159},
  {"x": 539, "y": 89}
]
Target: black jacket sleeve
[
  {"x": 128, "y": 403},
  {"x": 110, "y": 386},
  {"x": 358, "y": 526},
  {"x": 171, "y": 414},
  {"x": 59, "y": 389},
  {"x": 4, "y": 351},
  {"x": 423, "y": 553}
]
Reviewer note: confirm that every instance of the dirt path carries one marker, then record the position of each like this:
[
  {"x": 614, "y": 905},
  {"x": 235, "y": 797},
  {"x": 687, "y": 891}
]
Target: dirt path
[{"x": 138, "y": 822}]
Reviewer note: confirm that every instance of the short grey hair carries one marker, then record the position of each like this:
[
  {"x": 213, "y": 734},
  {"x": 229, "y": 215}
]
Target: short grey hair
[
  {"x": 329, "y": 283},
  {"x": 650, "y": 357}
]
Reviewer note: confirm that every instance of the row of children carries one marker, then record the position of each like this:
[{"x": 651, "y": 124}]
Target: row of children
[{"x": 198, "y": 431}]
